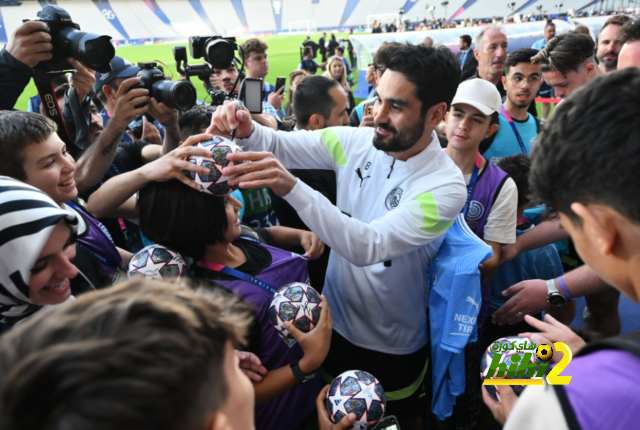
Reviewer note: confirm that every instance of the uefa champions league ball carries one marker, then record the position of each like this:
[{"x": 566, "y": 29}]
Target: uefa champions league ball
[
  {"x": 488, "y": 355},
  {"x": 215, "y": 182},
  {"x": 356, "y": 392},
  {"x": 298, "y": 303},
  {"x": 157, "y": 262}
]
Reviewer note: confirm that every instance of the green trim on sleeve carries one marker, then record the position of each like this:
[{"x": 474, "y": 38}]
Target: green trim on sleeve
[
  {"x": 333, "y": 143},
  {"x": 429, "y": 208}
]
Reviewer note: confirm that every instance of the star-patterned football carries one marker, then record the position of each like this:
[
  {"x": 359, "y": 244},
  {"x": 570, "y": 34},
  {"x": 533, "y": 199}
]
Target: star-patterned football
[
  {"x": 298, "y": 303},
  {"x": 358, "y": 392},
  {"x": 215, "y": 182},
  {"x": 157, "y": 262}
]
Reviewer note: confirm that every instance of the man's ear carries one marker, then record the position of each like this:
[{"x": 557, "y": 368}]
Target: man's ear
[
  {"x": 504, "y": 81},
  {"x": 476, "y": 54},
  {"x": 316, "y": 122},
  {"x": 492, "y": 129},
  {"x": 599, "y": 225},
  {"x": 109, "y": 92},
  {"x": 590, "y": 67},
  {"x": 436, "y": 113}
]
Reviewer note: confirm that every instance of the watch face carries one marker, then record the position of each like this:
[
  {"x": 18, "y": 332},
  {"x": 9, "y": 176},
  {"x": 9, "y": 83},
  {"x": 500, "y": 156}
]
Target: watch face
[{"x": 556, "y": 299}]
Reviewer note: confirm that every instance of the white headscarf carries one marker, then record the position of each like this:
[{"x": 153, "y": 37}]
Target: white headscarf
[{"x": 27, "y": 219}]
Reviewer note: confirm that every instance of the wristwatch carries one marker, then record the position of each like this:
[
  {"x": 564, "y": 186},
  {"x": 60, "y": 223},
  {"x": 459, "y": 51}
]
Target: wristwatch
[
  {"x": 555, "y": 297},
  {"x": 301, "y": 378}
]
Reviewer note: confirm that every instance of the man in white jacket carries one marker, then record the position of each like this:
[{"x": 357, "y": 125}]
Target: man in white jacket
[{"x": 397, "y": 193}]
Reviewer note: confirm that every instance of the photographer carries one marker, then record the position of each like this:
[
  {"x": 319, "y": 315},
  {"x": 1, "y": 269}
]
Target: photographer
[
  {"x": 27, "y": 47},
  {"x": 223, "y": 79}
]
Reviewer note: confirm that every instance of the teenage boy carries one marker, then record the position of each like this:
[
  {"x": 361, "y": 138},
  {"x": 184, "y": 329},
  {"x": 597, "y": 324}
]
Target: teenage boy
[
  {"x": 594, "y": 190},
  {"x": 518, "y": 130},
  {"x": 33, "y": 153},
  {"x": 490, "y": 210},
  {"x": 256, "y": 63}
]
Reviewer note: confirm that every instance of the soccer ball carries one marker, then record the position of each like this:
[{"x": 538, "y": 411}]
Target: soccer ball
[
  {"x": 544, "y": 352},
  {"x": 215, "y": 182},
  {"x": 358, "y": 392},
  {"x": 487, "y": 358},
  {"x": 157, "y": 262},
  {"x": 298, "y": 303}
]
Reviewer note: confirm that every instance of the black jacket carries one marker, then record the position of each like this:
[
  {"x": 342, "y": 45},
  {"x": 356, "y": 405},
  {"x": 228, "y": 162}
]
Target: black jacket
[
  {"x": 470, "y": 65},
  {"x": 14, "y": 77}
]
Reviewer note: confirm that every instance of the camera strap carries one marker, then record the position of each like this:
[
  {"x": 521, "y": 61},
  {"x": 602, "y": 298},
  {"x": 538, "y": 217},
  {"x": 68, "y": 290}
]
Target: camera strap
[{"x": 42, "y": 79}]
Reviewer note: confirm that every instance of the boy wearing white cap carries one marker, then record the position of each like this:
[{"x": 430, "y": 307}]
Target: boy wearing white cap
[{"x": 490, "y": 209}]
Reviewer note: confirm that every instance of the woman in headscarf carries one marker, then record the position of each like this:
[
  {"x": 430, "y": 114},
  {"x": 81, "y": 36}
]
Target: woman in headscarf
[{"x": 37, "y": 242}]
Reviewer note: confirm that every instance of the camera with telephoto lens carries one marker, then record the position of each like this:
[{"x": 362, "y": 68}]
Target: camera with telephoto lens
[
  {"x": 92, "y": 50},
  {"x": 218, "y": 51},
  {"x": 179, "y": 95}
]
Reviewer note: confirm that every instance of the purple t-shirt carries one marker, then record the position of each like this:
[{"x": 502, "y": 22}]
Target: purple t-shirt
[{"x": 604, "y": 390}]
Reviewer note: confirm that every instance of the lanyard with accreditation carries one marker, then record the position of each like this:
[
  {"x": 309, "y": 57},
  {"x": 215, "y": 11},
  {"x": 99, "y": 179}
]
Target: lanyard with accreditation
[
  {"x": 472, "y": 183},
  {"x": 515, "y": 130}
]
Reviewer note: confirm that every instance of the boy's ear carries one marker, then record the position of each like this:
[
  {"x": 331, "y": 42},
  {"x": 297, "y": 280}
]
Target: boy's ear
[
  {"x": 219, "y": 422},
  {"x": 598, "y": 224},
  {"x": 492, "y": 129}
]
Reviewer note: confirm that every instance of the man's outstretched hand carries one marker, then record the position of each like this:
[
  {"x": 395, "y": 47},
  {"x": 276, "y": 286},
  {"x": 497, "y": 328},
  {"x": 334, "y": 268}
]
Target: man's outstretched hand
[
  {"x": 260, "y": 169},
  {"x": 228, "y": 117}
]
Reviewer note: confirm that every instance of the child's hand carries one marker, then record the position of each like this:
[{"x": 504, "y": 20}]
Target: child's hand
[
  {"x": 553, "y": 331},
  {"x": 313, "y": 246},
  {"x": 315, "y": 344},
  {"x": 251, "y": 365}
]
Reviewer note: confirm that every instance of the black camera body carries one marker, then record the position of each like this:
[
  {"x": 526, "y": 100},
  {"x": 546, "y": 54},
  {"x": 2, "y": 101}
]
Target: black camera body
[
  {"x": 179, "y": 95},
  {"x": 217, "y": 51},
  {"x": 93, "y": 50}
]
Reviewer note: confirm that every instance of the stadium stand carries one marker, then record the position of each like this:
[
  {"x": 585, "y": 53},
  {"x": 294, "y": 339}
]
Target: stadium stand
[{"x": 550, "y": 6}]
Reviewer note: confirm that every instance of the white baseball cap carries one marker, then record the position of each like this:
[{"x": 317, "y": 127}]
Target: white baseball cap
[{"x": 480, "y": 94}]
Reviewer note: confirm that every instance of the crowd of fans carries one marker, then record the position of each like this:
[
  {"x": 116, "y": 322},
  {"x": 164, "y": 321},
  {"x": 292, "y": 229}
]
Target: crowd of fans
[{"x": 378, "y": 197}]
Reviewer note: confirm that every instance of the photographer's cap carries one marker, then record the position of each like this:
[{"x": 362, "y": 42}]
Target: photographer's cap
[
  {"x": 120, "y": 68},
  {"x": 480, "y": 94}
]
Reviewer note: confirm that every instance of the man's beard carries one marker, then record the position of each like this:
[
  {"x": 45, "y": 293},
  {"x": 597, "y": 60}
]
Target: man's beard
[{"x": 399, "y": 141}]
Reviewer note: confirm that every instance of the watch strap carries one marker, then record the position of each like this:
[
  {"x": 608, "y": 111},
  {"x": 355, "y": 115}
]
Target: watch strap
[
  {"x": 300, "y": 376},
  {"x": 551, "y": 286}
]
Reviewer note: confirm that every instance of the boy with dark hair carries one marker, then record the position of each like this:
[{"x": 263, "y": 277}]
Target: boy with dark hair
[
  {"x": 601, "y": 212},
  {"x": 96, "y": 364},
  {"x": 518, "y": 130},
  {"x": 541, "y": 263},
  {"x": 195, "y": 120}
]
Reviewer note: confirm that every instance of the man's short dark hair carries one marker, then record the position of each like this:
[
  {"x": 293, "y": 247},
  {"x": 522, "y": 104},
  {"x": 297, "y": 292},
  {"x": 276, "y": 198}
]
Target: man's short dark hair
[
  {"x": 192, "y": 121},
  {"x": 565, "y": 53},
  {"x": 616, "y": 20},
  {"x": 520, "y": 55},
  {"x": 252, "y": 45},
  {"x": 433, "y": 70},
  {"x": 630, "y": 32},
  {"x": 341, "y": 49},
  {"x": 18, "y": 130},
  {"x": 181, "y": 218},
  {"x": 312, "y": 97},
  {"x": 144, "y": 355},
  {"x": 517, "y": 167},
  {"x": 308, "y": 51},
  {"x": 466, "y": 39},
  {"x": 566, "y": 170},
  {"x": 549, "y": 23}
]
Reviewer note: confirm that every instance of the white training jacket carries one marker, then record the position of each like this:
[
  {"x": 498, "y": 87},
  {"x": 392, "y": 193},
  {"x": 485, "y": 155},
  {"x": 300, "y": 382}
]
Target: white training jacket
[{"x": 388, "y": 224}]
